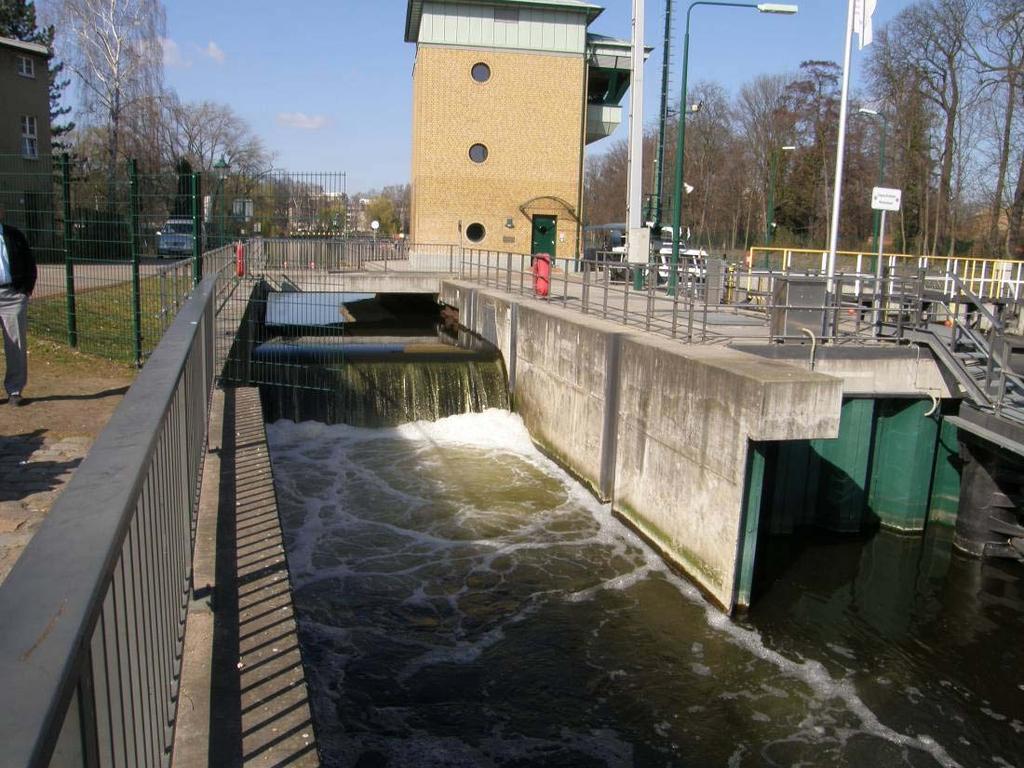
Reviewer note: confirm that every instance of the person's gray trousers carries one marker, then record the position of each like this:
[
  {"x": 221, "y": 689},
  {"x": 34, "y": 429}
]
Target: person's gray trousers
[{"x": 14, "y": 322}]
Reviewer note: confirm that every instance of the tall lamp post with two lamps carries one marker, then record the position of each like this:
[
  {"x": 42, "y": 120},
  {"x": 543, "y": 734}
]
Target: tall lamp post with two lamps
[{"x": 677, "y": 197}]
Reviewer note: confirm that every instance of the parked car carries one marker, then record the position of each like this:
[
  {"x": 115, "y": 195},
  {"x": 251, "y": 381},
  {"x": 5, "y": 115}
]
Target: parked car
[
  {"x": 692, "y": 264},
  {"x": 175, "y": 239}
]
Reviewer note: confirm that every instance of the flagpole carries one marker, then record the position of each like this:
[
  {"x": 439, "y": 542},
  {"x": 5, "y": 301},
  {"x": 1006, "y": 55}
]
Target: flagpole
[{"x": 837, "y": 193}]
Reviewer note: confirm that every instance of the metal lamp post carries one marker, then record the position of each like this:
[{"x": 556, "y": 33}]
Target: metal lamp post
[
  {"x": 677, "y": 196},
  {"x": 222, "y": 167},
  {"x": 769, "y": 218},
  {"x": 881, "y": 167}
]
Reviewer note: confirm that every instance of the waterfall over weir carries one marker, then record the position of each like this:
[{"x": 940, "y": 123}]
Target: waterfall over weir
[
  {"x": 365, "y": 393},
  {"x": 390, "y": 360}
]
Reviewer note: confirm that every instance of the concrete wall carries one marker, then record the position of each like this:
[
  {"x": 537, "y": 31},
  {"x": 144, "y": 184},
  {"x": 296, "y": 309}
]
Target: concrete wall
[
  {"x": 356, "y": 282},
  {"x": 866, "y": 371},
  {"x": 660, "y": 429}
]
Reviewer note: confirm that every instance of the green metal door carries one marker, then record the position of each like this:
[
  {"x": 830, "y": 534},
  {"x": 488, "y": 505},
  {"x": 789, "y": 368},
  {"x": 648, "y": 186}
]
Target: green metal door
[{"x": 543, "y": 235}]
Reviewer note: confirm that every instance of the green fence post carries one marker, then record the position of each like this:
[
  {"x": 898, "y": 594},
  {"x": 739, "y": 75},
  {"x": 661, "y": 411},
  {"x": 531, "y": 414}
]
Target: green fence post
[
  {"x": 197, "y": 229},
  {"x": 69, "y": 267},
  {"x": 133, "y": 225}
]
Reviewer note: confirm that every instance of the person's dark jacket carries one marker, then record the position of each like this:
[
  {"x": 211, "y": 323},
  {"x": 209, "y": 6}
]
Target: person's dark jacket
[{"x": 22, "y": 263}]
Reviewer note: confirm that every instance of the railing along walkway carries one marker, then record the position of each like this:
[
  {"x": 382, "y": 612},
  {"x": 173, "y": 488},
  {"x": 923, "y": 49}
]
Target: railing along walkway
[{"x": 92, "y": 615}]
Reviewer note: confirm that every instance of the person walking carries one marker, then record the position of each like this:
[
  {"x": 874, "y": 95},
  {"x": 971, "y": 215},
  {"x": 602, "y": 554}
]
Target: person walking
[{"x": 17, "y": 280}]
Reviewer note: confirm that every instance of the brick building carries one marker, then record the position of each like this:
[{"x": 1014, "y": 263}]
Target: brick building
[{"x": 506, "y": 94}]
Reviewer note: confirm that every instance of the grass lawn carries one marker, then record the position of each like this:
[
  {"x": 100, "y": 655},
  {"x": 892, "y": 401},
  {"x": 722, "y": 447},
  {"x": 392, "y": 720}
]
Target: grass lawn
[{"x": 104, "y": 317}]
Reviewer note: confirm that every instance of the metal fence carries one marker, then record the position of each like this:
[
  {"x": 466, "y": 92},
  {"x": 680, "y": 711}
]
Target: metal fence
[
  {"x": 92, "y": 615},
  {"x": 986, "y": 278},
  {"x": 712, "y": 301},
  {"x": 120, "y": 249},
  {"x": 103, "y": 287}
]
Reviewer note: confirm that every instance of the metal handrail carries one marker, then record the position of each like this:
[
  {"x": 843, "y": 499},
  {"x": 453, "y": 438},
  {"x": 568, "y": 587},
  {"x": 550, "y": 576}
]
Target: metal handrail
[
  {"x": 92, "y": 615},
  {"x": 997, "y": 324}
]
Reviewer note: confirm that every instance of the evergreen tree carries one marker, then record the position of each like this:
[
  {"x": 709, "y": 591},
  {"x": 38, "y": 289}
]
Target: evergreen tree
[{"x": 18, "y": 21}]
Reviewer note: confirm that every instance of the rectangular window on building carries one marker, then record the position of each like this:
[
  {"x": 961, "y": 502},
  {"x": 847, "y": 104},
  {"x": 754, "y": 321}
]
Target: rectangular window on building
[
  {"x": 507, "y": 15},
  {"x": 29, "y": 142},
  {"x": 26, "y": 66}
]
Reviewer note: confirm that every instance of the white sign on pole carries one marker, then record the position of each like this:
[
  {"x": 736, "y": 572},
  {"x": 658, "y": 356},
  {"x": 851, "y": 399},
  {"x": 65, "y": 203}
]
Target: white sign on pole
[{"x": 885, "y": 199}]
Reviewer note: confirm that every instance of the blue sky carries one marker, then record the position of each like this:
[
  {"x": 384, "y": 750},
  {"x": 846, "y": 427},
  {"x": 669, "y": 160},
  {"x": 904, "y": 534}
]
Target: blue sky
[{"x": 327, "y": 84}]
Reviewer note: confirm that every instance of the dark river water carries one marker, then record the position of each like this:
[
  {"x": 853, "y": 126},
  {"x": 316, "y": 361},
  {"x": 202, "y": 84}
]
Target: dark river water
[{"x": 464, "y": 602}]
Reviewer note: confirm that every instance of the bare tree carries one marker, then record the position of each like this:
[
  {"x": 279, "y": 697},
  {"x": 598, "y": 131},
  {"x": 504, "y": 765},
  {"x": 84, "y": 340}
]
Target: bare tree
[
  {"x": 203, "y": 132},
  {"x": 114, "y": 48},
  {"x": 929, "y": 42},
  {"x": 999, "y": 56}
]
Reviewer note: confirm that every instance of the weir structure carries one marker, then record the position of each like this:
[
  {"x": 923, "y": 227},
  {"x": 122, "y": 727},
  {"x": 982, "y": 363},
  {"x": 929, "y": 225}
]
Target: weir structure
[
  {"x": 741, "y": 406},
  {"x": 710, "y": 418}
]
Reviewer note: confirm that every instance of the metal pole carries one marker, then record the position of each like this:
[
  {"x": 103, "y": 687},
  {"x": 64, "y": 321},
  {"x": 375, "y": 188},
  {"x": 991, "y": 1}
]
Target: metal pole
[
  {"x": 659, "y": 160},
  {"x": 877, "y": 319},
  {"x": 769, "y": 213},
  {"x": 677, "y": 189},
  {"x": 133, "y": 224},
  {"x": 634, "y": 191},
  {"x": 837, "y": 193},
  {"x": 197, "y": 232},
  {"x": 69, "y": 266},
  {"x": 881, "y": 181}
]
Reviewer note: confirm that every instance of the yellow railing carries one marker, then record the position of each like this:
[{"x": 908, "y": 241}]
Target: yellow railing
[{"x": 987, "y": 278}]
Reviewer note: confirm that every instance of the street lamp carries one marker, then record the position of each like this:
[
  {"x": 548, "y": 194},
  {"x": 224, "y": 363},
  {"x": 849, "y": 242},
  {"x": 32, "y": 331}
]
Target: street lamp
[
  {"x": 881, "y": 167},
  {"x": 222, "y": 167},
  {"x": 677, "y": 197},
  {"x": 769, "y": 215}
]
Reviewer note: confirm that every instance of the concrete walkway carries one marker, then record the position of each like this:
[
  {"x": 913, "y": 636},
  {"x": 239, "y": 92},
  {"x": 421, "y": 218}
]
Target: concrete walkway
[{"x": 244, "y": 700}]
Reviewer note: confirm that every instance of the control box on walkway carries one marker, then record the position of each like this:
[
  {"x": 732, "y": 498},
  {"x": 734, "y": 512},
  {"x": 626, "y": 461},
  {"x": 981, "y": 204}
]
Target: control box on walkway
[{"x": 798, "y": 304}]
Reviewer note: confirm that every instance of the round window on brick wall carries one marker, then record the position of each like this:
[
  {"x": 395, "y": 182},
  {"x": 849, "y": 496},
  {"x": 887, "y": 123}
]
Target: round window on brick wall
[
  {"x": 478, "y": 153},
  {"x": 481, "y": 72},
  {"x": 475, "y": 232}
]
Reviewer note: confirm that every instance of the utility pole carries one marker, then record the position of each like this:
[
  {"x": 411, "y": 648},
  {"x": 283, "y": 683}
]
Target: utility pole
[{"x": 639, "y": 237}]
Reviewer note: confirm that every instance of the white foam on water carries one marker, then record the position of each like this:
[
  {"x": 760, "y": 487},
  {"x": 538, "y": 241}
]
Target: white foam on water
[{"x": 500, "y": 432}]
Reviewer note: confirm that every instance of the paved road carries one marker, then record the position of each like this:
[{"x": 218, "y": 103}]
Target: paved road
[{"x": 51, "y": 280}]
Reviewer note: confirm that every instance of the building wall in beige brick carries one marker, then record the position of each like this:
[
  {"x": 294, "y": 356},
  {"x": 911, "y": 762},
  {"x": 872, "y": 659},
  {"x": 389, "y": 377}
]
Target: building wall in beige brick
[{"x": 528, "y": 115}]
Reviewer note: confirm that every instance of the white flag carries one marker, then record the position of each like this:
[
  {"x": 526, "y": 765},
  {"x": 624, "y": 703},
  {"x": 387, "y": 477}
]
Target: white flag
[{"x": 862, "y": 12}]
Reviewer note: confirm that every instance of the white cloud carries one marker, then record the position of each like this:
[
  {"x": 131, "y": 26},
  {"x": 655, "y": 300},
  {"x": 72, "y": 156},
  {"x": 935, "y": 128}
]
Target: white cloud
[
  {"x": 172, "y": 56},
  {"x": 302, "y": 121},
  {"x": 215, "y": 52}
]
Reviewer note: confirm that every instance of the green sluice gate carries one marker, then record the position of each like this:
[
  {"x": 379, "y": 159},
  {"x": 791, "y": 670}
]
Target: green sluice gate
[
  {"x": 894, "y": 464},
  {"x": 901, "y": 474}
]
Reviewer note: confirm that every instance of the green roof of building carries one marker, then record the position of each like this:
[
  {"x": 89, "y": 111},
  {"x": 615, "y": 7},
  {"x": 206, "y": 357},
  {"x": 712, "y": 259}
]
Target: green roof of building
[{"x": 415, "y": 10}]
